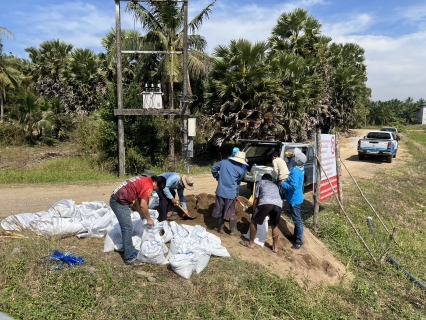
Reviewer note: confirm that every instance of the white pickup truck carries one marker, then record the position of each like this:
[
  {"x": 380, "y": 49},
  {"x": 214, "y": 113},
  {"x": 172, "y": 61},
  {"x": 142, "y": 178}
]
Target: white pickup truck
[{"x": 378, "y": 143}]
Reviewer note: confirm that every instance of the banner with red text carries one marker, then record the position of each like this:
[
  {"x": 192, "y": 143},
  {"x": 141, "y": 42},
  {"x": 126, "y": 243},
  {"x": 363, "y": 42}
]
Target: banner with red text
[{"x": 328, "y": 163}]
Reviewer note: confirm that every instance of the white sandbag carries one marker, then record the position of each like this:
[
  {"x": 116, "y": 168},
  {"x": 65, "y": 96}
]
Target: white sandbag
[
  {"x": 216, "y": 249},
  {"x": 97, "y": 218},
  {"x": 153, "y": 251},
  {"x": 202, "y": 256},
  {"x": 262, "y": 232},
  {"x": 150, "y": 233},
  {"x": 178, "y": 230},
  {"x": 183, "y": 264},
  {"x": 94, "y": 209},
  {"x": 21, "y": 221},
  {"x": 188, "y": 228},
  {"x": 137, "y": 243},
  {"x": 154, "y": 201},
  {"x": 56, "y": 226},
  {"x": 114, "y": 240},
  {"x": 214, "y": 238},
  {"x": 65, "y": 209},
  {"x": 168, "y": 234},
  {"x": 182, "y": 245},
  {"x": 199, "y": 233}
]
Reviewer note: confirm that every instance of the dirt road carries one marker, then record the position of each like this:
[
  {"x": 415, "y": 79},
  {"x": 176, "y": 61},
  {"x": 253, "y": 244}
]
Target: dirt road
[{"x": 33, "y": 198}]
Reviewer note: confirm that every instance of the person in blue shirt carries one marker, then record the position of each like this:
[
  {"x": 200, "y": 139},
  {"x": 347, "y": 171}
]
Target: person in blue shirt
[
  {"x": 166, "y": 197},
  {"x": 229, "y": 174},
  {"x": 293, "y": 187}
]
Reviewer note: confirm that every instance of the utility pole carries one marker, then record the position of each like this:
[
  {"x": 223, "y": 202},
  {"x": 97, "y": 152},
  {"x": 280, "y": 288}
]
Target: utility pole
[
  {"x": 185, "y": 110},
  {"x": 120, "y": 124},
  {"x": 120, "y": 111}
]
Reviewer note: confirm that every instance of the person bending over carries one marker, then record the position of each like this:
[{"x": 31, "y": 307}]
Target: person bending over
[
  {"x": 267, "y": 202},
  {"x": 133, "y": 192},
  {"x": 175, "y": 182}
]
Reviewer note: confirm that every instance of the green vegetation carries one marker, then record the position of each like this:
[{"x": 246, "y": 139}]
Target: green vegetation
[
  {"x": 66, "y": 170},
  {"x": 284, "y": 87},
  {"x": 104, "y": 288}
]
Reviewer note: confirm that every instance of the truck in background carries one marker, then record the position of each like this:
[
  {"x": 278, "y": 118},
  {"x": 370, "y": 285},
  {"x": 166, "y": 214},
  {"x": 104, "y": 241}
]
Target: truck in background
[
  {"x": 258, "y": 154},
  {"x": 378, "y": 143}
]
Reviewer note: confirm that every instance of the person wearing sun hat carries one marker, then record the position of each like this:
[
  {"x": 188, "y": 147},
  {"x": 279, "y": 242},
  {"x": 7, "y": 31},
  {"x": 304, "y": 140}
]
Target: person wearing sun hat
[
  {"x": 174, "y": 182},
  {"x": 229, "y": 174}
]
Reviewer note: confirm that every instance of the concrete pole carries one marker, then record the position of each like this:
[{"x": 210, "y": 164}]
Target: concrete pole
[
  {"x": 318, "y": 178},
  {"x": 120, "y": 124},
  {"x": 185, "y": 110}
]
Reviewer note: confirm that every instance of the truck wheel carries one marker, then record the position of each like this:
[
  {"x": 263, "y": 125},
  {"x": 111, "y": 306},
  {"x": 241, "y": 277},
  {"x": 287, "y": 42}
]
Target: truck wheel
[
  {"x": 394, "y": 155},
  {"x": 390, "y": 158},
  {"x": 361, "y": 156}
]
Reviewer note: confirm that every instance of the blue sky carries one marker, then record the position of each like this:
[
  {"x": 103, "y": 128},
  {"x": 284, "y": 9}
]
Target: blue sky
[{"x": 392, "y": 32}]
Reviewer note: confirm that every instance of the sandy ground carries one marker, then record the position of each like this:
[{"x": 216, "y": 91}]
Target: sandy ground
[{"x": 311, "y": 265}]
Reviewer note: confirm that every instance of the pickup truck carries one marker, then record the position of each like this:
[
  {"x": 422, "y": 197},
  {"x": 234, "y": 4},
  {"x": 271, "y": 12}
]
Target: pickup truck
[
  {"x": 378, "y": 143},
  {"x": 258, "y": 155}
]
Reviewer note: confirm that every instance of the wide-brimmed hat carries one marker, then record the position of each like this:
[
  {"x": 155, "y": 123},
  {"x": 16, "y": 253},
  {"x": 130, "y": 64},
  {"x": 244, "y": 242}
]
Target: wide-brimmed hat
[
  {"x": 240, "y": 157},
  {"x": 188, "y": 182}
]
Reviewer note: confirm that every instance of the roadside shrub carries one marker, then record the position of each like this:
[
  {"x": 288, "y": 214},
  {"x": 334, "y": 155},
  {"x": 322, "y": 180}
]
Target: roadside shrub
[
  {"x": 48, "y": 141},
  {"x": 11, "y": 135},
  {"x": 135, "y": 162}
]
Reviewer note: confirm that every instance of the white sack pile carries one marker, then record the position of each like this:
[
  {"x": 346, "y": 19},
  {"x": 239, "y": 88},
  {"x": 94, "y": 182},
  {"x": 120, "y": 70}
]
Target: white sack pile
[
  {"x": 90, "y": 219},
  {"x": 190, "y": 247}
]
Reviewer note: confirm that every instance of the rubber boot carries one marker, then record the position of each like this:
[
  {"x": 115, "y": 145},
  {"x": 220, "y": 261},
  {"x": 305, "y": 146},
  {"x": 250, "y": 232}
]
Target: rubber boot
[
  {"x": 233, "y": 226},
  {"x": 221, "y": 225}
]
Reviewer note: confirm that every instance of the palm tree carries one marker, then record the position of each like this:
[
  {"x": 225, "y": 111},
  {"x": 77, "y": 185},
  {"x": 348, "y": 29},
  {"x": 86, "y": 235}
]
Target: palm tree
[
  {"x": 81, "y": 78},
  {"x": 29, "y": 112},
  {"x": 298, "y": 53},
  {"x": 9, "y": 78},
  {"x": 55, "y": 118},
  {"x": 8, "y": 74},
  {"x": 48, "y": 62},
  {"x": 242, "y": 92},
  {"x": 9, "y": 34},
  {"x": 164, "y": 26}
]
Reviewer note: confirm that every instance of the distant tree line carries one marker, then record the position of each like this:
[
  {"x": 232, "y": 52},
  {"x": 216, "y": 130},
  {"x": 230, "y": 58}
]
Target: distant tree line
[{"x": 284, "y": 88}]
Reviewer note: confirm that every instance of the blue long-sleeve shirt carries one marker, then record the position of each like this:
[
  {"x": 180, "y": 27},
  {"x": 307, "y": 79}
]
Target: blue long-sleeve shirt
[
  {"x": 229, "y": 175},
  {"x": 173, "y": 182},
  {"x": 294, "y": 186}
]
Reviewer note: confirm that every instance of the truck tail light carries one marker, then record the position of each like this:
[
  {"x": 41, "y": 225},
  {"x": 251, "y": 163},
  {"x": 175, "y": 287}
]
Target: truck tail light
[
  {"x": 359, "y": 143},
  {"x": 389, "y": 145}
]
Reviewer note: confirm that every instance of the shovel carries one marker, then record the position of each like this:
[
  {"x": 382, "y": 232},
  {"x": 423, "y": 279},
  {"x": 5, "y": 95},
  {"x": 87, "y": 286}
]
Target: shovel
[
  {"x": 244, "y": 206},
  {"x": 185, "y": 215},
  {"x": 254, "y": 187}
]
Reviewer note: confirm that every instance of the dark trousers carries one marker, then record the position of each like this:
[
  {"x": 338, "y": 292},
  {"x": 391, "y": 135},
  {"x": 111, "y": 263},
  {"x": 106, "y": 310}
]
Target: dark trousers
[{"x": 165, "y": 204}]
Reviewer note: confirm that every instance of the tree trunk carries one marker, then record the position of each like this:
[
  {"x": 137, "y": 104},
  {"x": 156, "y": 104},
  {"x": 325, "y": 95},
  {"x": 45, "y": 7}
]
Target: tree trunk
[
  {"x": 318, "y": 182},
  {"x": 1, "y": 108},
  {"x": 171, "y": 139}
]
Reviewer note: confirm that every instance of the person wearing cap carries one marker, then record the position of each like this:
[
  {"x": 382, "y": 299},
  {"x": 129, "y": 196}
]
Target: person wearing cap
[
  {"x": 234, "y": 152},
  {"x": 229, "y": 174},
  {"x": 133, "y": 192},
  {"x": 174, "y": 182},
  {"x": 293, "y": 187}
]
